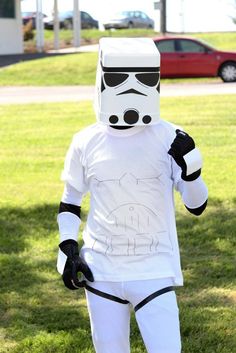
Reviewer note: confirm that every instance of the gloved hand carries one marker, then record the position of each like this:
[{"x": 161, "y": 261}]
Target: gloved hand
[
  {"x": 182, "y": 145},
  {"x": 74, "y": 264}
]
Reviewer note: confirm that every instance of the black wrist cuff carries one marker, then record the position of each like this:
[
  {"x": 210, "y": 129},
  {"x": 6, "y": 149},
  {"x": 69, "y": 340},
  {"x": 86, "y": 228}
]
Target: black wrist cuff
[
  {"x": 69, "y": 247},
  {"x": 199, "y": 210},
  {"x": 68, "y": 241}
]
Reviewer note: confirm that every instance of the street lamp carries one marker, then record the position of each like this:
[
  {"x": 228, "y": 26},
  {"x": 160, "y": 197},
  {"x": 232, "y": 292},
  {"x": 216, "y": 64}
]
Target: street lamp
[
  {"x": 76, "y": 24},
  {"x": 161, "y": 5},
  {"x": 39, "y": 26}
]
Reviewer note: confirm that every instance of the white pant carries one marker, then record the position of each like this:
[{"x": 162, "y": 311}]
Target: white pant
[{"x": 158, "y": 320}]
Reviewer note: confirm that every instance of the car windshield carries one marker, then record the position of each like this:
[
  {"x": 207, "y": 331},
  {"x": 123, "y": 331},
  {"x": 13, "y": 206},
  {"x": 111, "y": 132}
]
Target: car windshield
[
  {"x": 27, "y": 14},
  {"x": 122, "y": 14},
  {"x": 65, "y": 14}
]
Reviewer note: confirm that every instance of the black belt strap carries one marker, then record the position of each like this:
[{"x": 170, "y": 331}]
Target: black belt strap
[
  {"x": 153, "y": 296},
  {"x": 123, "y": 301},
  {"x": 106, "y": 295}
]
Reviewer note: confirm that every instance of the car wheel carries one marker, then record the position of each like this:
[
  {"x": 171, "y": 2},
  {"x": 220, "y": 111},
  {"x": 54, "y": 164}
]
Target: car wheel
[{"x": 228, "y": 72}]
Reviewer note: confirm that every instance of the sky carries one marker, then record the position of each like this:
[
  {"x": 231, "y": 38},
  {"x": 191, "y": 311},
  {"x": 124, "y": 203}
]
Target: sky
[{"x": 182, "y": 15}]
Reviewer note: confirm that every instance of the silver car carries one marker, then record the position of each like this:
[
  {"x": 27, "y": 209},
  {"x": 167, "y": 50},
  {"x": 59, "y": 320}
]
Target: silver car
[{"x": 130, "y": 19}]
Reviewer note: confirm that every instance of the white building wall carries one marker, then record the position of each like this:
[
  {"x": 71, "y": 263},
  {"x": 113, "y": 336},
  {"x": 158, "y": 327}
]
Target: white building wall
[{"x": 11, "y": 36}]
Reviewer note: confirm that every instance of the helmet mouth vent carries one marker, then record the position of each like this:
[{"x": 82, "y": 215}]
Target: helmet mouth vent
[{"x": 131, "y": 116}]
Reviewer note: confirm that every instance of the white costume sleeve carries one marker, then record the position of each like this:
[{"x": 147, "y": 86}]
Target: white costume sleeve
[
  {"x": 73, "y": 172},
  {"x": 194, "y": 193},
  {"x": 71, "y": 195},
  {"x": 75, "y": 186}
]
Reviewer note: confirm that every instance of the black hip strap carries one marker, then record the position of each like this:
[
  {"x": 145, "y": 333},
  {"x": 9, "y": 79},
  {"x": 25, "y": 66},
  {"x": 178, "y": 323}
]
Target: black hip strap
[
  {"x": 106, "y": 295},
  {"x": 153, "y": 296},
  {"x": 123, "y": 301}
]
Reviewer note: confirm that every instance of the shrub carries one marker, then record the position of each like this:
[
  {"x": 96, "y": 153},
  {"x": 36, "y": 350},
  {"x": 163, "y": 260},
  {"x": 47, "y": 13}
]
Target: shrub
[{"x": 28, "y": 31}]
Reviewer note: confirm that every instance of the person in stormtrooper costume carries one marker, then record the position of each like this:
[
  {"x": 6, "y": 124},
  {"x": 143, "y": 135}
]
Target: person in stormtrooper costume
[{"x": 130, "y": 162}]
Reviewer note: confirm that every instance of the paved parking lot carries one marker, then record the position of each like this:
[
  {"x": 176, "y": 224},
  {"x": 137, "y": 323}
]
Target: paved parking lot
[
  {"x": 18, "y": 95},
  {"x": 23, "y": 95}
]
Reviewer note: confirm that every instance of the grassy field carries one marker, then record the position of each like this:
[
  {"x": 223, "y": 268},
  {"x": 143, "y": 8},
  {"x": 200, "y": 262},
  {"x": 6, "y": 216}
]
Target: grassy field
[
  {"x": 79, "y": 69},
  {"x": 89, "y": 36},
  {"x": 38, "y": 315},
  {"x": 217, "y": 39}
]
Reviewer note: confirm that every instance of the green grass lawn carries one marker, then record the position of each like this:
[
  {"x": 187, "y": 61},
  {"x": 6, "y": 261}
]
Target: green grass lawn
[
  {"x": 38, "y": 315},
  {"x": 80, "y": 69},
  {"x": 93, "y": 35},
  {"x": 224, "y": 41},
  {"x": 71, "y": 69}
]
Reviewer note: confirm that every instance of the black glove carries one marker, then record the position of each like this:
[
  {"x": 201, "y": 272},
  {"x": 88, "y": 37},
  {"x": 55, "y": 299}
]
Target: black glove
[
  {"x": 73, "y": 265},
  {"x": 182, "y": 144}
]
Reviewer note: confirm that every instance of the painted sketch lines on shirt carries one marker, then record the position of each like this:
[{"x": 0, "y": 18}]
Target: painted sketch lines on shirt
[
  {"x": 135, "y": 179},
  {"x": 133, "y": 228}
]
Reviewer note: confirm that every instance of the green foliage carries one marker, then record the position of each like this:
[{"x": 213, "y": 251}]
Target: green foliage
[
  {"x": 38, "y": 315},
  {"x": 28, "y": 33}
]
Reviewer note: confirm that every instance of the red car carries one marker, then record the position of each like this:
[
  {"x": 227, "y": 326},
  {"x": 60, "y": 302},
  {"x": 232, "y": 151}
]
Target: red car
[{"x": 188, "y": 57}]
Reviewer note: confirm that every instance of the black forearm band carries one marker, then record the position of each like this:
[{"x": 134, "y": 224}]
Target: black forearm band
[
  {"x": 192, "y": 176},
  {"x": 197, "y": 211},
  {"x": 67, "y": 207}
]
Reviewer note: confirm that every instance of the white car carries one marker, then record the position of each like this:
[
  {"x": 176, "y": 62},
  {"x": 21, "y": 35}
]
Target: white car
[{"x": 129, "y": 19}]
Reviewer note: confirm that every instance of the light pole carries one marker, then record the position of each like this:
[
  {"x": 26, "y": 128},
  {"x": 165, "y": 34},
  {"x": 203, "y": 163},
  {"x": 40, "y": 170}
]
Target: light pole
[
  {"x": 182, "y": 16},
  {"x": 163, "y": 16},
  {"x": 76, "y": 24},
  {"x": 56, "y": 25},
  {"x": 161, "y": 6},
  {"x": 39, "y": 26}
]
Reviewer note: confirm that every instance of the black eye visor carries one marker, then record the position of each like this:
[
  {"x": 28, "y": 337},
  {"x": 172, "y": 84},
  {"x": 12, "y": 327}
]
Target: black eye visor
[{"x": 130, "y": 69}]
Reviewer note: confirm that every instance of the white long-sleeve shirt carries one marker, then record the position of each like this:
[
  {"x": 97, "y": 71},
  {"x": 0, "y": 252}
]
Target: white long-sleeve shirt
[{"x": 130, "y": 232}]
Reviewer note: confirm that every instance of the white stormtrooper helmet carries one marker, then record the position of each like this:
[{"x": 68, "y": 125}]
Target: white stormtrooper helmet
[{"x": 128, "y": 82}]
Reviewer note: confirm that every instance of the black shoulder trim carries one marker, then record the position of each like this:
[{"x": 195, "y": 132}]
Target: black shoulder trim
[
  {"x": 197, "y": 211},
  {"x": 67, "y": 207}
]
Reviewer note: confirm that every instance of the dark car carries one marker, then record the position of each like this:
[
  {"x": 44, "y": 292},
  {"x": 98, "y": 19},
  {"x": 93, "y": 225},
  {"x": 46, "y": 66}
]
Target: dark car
[
  {"x": 66, "y": 21},
  {"x": 129, "y": 19},
  {"x": 188, "y": 57},
  {"x": 30, "y": 16},
  {"x": 87, "y": 21}
]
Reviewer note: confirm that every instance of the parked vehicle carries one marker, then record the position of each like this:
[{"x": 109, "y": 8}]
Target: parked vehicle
[
  {"x": 66, "y": 21},
  {"x": 30, "y": 16},
  {"x": 188, "y": 57},
  {"x": 129, "y": 19},
  {"x": 88, "y": 21}
]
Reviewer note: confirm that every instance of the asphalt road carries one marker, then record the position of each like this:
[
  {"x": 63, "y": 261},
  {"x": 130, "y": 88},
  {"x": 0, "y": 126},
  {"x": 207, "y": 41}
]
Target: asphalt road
[{"x": 23, "y": 95}]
